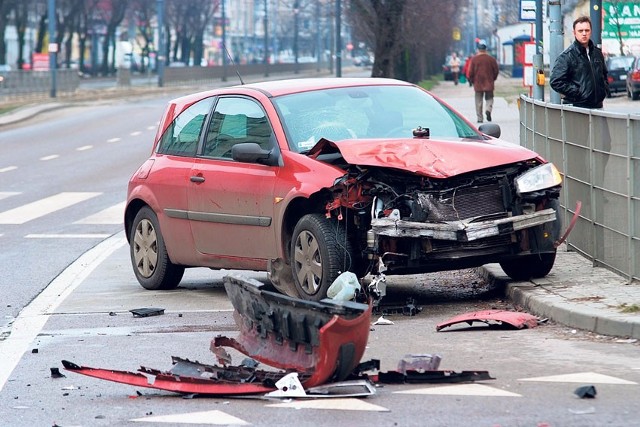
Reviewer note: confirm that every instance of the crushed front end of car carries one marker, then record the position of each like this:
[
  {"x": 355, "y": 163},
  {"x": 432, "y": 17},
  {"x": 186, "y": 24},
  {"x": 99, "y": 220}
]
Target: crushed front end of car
[{"x": 407, "y": 223}]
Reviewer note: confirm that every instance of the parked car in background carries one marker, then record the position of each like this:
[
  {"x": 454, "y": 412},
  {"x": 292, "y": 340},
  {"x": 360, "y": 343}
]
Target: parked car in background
[
  {"x": 617, "y": 67},
  {"x": 633, "y": 80},
  {"x": 310, "y": 178}
]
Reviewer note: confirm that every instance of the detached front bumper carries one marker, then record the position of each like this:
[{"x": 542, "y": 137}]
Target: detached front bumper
[{"x": 461, "y": 231}]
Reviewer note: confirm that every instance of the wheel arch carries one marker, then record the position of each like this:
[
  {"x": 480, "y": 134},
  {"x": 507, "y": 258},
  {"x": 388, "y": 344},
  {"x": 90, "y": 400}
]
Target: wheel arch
[
  {"x": 296, "y": 209},
  {"x": 130, "y": 212}
]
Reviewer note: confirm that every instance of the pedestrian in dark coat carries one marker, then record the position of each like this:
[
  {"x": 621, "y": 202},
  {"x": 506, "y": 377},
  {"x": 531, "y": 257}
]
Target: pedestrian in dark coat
[
  {"x": 483, "y": 72},
  {"x": 579, "y": 73}
]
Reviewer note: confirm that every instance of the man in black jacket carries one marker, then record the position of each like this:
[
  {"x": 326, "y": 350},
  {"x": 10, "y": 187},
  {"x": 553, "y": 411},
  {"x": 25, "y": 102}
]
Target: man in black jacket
[{"x": 580, "y": 73}]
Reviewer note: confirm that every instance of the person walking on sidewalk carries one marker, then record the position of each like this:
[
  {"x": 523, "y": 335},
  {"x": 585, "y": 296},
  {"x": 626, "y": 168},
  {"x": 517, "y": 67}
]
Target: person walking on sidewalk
[
  {"x": 454, "y": 63},
  {"x": 483, "y": 72},
  {"x": 465, "y": 69},
  {"x": 579, "y": 74}
]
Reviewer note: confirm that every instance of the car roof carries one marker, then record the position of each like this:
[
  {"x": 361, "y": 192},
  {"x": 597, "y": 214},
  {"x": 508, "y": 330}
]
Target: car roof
[{"x": 273, "y": 88}]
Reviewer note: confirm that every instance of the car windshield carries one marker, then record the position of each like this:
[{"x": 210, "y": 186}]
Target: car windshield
[{"x": 364, "y": 112}]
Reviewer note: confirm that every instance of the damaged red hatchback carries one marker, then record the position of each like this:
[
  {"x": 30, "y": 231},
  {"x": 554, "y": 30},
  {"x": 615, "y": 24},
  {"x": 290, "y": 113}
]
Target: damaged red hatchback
[{"x": 309, "y": 178}]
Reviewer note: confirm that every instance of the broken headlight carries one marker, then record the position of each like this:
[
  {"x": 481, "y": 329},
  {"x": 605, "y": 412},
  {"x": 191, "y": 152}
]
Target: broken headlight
[{"x": 538, "y": 178}]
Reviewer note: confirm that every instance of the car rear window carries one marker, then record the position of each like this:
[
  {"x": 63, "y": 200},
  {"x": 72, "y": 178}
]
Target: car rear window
[{"x": 182, "y": 136}]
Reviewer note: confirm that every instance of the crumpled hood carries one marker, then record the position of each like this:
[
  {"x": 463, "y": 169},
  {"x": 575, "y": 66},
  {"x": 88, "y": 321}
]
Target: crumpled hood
[{"x": 426, "y": 156}]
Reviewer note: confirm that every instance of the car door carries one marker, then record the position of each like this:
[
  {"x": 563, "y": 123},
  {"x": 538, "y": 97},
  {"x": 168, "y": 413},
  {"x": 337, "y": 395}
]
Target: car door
[
  {"x": 231, "y": 204},
  {"x": 169, "y": 177}
]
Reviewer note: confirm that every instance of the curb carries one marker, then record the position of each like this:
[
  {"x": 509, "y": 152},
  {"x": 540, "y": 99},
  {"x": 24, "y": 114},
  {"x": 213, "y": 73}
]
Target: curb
[{"x": 571, "y": 301}]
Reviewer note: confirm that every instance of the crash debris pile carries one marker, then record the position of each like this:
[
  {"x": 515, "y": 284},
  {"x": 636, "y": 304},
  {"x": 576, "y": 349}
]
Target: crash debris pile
[{"x": 312, "y": 349}]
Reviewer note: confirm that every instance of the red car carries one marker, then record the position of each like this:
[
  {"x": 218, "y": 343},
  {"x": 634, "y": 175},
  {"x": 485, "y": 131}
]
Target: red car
[{"x": 308, "y": 178}]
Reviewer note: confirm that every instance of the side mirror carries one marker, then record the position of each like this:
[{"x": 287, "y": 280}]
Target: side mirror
[
  {"x": 250, "y": 152},
  {"x": 490, "y": 129}
]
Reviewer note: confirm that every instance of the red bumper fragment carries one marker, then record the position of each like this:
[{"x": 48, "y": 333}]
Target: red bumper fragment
[
  {"x": 321, "y": 341},
  {"x": 514, "y": 318}
]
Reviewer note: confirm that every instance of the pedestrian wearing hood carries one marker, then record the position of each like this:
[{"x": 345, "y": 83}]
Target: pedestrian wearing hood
[
  {"x": 579, "y": 74},
  {"x": 483, "y": 72}
]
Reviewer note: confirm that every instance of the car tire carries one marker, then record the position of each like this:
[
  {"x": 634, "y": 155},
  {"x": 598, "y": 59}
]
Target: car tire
[
  {"x": 149, "y": 258},
  {"x": 635, "y": 96},
  {"x": 529, "y": 266},
  {"x": 320, "y": 251}
]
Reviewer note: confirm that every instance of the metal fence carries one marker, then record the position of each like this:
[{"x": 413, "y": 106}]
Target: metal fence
[
  {"x": 598, "y": 154},
  {"x": 21, "y": 84}
]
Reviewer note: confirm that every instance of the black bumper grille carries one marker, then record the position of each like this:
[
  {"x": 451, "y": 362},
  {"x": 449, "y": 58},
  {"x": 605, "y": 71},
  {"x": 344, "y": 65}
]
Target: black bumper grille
[{"x": 462, "y": 203}]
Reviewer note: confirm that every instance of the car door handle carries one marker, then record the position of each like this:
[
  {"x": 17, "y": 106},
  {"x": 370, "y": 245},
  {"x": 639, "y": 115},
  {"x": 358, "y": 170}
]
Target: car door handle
[{"x": 197, "y": 178}]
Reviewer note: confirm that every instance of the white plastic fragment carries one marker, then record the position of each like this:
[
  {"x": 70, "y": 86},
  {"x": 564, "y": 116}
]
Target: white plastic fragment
[
  {"x": 382, "y": 321},
  {"x": 288, "y": 386}
]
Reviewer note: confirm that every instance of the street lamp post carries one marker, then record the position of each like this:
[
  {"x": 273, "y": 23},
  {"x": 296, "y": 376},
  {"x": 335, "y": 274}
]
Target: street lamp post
[
  {"x": 53, "y": 47},
  {"x": 266, "y": 40},
  {"x": 161, "y": 48},
  {"x": 338, "y": 38},
  {"x": 296, "y": 12},
  {"x": 224, "y": 42}
]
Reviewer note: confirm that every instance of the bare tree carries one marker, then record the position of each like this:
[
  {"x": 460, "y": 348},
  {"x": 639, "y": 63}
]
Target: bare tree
[
  {"x": 409, "y": 39},
  {"x": 6, "y": 6},
  {"x": 143, "y": 13}
]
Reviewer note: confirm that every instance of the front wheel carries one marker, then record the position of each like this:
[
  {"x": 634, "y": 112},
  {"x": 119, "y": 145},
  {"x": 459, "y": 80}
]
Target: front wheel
[
  {"x": 320, "y": 251},
  {"x": 529, "y": 266},
  {"x": 151, "y": 264}
]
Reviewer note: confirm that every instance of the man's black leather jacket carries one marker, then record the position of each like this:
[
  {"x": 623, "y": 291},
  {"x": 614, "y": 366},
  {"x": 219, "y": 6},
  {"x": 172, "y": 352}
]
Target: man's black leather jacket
[{"x": 581, "y": 79}]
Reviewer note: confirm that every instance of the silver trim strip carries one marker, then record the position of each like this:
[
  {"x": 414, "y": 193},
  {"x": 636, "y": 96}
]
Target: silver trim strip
[{"x": 260, "y": 221}]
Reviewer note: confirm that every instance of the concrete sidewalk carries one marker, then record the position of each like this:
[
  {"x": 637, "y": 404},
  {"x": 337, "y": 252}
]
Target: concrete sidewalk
[{"x": 575, "y": 293}]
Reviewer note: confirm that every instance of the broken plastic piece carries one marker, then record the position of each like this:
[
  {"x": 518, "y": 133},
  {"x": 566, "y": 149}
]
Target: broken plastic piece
[
  {"x": 432, "y": 377},
  {"x": 146, "y": 312},
  {"x": 516, "y": 319},
  {"x": 55, "y": 373},
  {"x": 382, "y": 321},
  {"x": 409, "y": 309},
  {"x": 586, "y": 392},
  {"x": 343, "y": 389},
  {"x": 419, "y": 363},
  {"x": 288, "y": 386}
]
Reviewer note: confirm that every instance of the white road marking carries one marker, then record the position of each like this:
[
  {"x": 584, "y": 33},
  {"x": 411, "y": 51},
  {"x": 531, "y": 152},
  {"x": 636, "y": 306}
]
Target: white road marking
[
  {"x": 114, "y": 140},
  {"x": 84, "y": 148},
  {"x": 42, "y": 207},
  {"x": 151, "y": 127},
  {"x": 113, "y": 215},
  {"x": 5, "y": 194},
  {"x": 8, "y": 169},
  {"x": 204, "y": 417},
  {"x": 583, "y": 377},
  {"x": 67, "y": 236},
  {"x": 136, "y": 133},
  {"x": 344, "y": 404},
  {"x": 32, "y": 318},
  {"x": 51, "y": 157},
  {"x": 463, "y": 390}
]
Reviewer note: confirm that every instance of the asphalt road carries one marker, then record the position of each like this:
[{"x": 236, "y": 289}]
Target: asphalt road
[{"x": 81, "y": 158}]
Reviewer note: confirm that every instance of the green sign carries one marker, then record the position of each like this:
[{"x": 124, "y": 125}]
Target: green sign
[{"x": 621, "y": 17}]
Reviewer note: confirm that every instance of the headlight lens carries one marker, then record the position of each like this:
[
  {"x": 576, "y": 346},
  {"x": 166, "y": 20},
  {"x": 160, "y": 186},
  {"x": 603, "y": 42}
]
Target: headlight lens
[{"x": 538, "y": 178}]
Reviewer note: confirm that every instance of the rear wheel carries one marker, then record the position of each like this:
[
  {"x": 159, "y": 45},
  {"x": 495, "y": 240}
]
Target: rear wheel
[
  {"x": 529, "y": 266},
  {"x": 320, "y": 251},
  {"x": 149, "y": 257}
]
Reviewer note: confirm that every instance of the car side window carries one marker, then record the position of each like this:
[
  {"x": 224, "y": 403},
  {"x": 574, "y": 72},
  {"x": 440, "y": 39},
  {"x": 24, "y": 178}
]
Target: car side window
[
  {"x": 181, "y": 137},
  {"x": 236, "y": 120}
]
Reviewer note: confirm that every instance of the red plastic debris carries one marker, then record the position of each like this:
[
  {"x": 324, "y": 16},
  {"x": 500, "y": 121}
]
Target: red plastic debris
[{"x": 516, "y": 319}]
